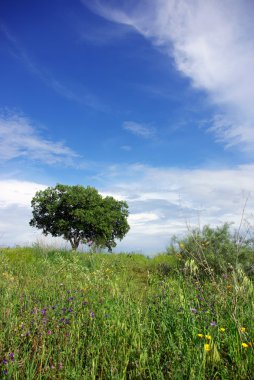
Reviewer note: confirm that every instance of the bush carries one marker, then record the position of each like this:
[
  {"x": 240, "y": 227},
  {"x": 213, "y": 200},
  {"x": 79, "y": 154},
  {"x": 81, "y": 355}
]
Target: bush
[{"x": 214, "y": 250}]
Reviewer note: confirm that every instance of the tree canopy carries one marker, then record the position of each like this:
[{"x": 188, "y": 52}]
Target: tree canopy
[{"x": 80, "y": 215}]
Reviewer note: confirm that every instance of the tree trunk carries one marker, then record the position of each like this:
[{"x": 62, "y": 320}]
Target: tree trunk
[{"x": 74, "y": 243}]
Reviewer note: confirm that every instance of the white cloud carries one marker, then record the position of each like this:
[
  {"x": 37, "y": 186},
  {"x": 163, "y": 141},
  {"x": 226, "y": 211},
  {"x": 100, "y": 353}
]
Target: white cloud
[
  {"x": 18, "y": 193},
  {"x": 138, "y": 129},
  {"x": 15, "y": 211},
  {"x": 162, "y": 202},
  {"x": 19, "y": 138},
  {"x": 211, "y": 43}
]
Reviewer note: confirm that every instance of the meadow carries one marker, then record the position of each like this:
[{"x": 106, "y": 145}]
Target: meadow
[{"x": 67, "y": 315}]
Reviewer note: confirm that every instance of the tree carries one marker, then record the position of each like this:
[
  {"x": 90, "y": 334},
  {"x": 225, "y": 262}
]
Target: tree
[{"x": 80, "y": 215}]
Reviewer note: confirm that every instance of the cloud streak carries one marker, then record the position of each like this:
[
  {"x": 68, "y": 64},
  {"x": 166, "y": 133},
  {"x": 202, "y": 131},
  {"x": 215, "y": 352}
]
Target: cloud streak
[
  {"x": 19, "y": 138},
  {"x": 211, "y": 43},
  {"x": 138, "y": 129}
]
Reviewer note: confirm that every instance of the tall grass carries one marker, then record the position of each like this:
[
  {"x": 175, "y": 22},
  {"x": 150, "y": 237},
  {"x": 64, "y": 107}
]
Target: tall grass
[{"x": 67, "y": 315}]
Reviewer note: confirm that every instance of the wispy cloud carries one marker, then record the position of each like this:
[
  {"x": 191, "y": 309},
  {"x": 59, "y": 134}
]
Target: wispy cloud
[
  {"x": 20, "y": 138},
  {"x": 138, "y": 129},
  {"x": 82, "y": 97},
  {"x": 211, "y": 43}
]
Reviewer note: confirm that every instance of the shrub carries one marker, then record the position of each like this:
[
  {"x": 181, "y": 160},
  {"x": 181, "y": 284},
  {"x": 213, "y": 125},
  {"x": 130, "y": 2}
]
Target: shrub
[{"x": 214, "y": 250}]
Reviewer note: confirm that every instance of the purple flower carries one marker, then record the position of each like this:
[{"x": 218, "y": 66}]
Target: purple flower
[
  {"x": 70, "y": 310},
  {"x": 5, "y": 361},
  {"x": 193, "y": 310},
  {"x": 11, "y": 356},
  {"x": 92, "y": 315},
  {"x": 44, "y": 311},
  {"x": 213, "y": 323},
  {"x": 85, "y": 303},
  {"x": 5, "y": 372}
]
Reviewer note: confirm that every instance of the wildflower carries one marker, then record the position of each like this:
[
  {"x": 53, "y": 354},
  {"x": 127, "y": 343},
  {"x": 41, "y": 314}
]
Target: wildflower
[
  {"x": 60, "y": 365},
  {"x": 49, "y": 332},
  {"x": 242, "y": 329},
  {"x": 245, "y": 345},
  {"x": 92, "y": 315},
  {"x": 193, "y": 310},
  {"x": 222, "y": 329},
  {"x": 208, "y": 337},
  {"x": 200, "y": 335},
  {"x": 5, "y": 361},
  {"x": 207, "y": 347},
  {"x": 213, "y": 323},
  {"x": 11, "y": 356}
]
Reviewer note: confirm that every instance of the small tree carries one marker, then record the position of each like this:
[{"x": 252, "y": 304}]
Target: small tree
[{"x": 80, "y": 215}]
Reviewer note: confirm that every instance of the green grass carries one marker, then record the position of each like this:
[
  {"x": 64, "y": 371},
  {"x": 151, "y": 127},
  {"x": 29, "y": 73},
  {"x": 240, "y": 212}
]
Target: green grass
[{"x": 77, "y": 316}]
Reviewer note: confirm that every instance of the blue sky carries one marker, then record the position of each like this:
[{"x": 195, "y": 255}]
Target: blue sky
[{"x": 150, "y": 101}]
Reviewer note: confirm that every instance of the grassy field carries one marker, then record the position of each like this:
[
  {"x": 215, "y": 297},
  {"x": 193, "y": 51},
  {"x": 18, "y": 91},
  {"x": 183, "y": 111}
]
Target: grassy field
[{"x": 66, "y": 315}]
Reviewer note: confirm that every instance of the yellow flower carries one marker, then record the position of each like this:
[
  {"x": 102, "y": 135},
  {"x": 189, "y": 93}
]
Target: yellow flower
[
  {"x": 245, "y": 345},
  {"x": 242, "y": 329},
  {"x": 222, "y": 329},
  {"x": 208, "y": 337},
  {"x": 200, "y": 335},
  {"x": 207, "y": 347}
]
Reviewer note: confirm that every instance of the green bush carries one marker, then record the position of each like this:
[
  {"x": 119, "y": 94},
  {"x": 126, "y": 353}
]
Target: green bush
[{"x": 213, "y": 250}]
